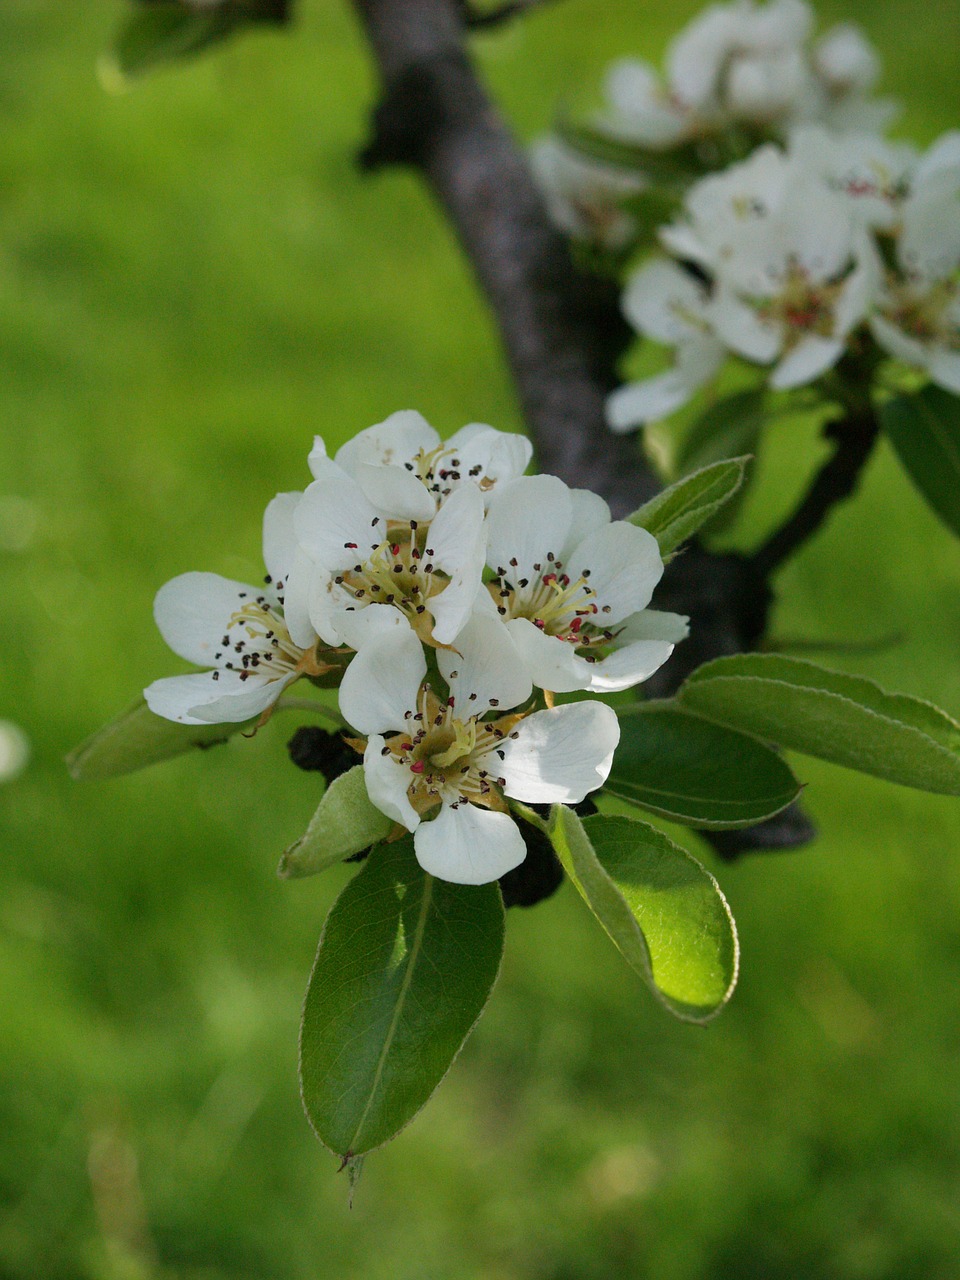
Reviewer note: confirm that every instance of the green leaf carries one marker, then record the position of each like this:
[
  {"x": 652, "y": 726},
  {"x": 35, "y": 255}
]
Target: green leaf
[
  {"x": 695, "y": 772},
  {"x": 728, "y": 428},
  {"x": 924, "y": 429},
  {"x": 161, "y": 33},
  {"x": 345, "y": 822},
  {"x": 662, "y": 910},
  {"x": 845, "y": 719},
  {"x": 405, "y": 966},
  {"x": 679, "y": 511},
  {"x": 137, "y": 738}
]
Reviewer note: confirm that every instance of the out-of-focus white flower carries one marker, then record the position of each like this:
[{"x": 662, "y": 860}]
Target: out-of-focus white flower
[
  {"x": 917, "y": 318},
  {"x": 872, "y": 174},
  {"x": 846, "y": 67},
  {"x": 255, "y": 640},
  {"x": 407, "y": 471},
  {"x": 792, "y": 273},
  {"x": 572, "y": 588},
  {"x": 641, "y": 109},
  {"x": 443, "y": 765},
  {"x": 14, "y": 750},
  {"x": 584, "y": 196},
  {"x": 664, "y": 302}
]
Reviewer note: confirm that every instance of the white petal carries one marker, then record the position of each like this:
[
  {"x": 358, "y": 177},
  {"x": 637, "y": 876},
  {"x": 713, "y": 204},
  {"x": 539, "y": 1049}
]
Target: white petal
[
  {"x": 624, "y": 566},
  {"x": 642, "y": 111},
  {"x": 487, "y": 665},
  {"x": 944, "y": 368},
  {"x": 357, "y": 627},
  {"x": 654, "y": 624},
  {"x": 279, "y": 539},
  {"x": 628, "y": 666},
  {"x": 560, "y": 756},
  {"x": 742, "y": 329},
  {"x": 469, "y": 845},
  {"x": 663, "y": 302},
  {"x": 302, "y": 583},
  {"x": 899, "y": 344},
  {"x": 335, "y": 523},
  {"x": 640, "y": 402},
  {"x": 502, "y": 455},
  {"x": 528, "y": 518},
  {"x": 552, "y": 663},
  {"x": 387, "y": 784},
  {"x": 200, "y": 699},
  {"x": 194, "y": 610},
  {"x": 382, "y": 682},
  {"x": 457, "y": 538},
  {"x": 589, "y": 512},
  {"x": 390, "y": 443},
  {"x": 811, "y": 357},
  {"x": 318, "y": 460},
  {"x": 398, "y": 493}
]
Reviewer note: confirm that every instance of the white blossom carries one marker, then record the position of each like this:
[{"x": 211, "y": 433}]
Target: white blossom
[
  {"x": 572, "y": 588},
  {"x": 917, "y": 317},
  {"x": 871, "y": 174},
  {"x": 444, "y": 764},
  {"x": 254, "y": 640},
  {"x": 585, "y": 196},
  {"x": 406, "y": 471},
  {"x": 664, "y": 302}
]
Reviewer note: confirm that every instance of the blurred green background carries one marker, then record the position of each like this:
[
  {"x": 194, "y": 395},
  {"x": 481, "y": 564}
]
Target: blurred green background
[{"x": 193, "y": 280}]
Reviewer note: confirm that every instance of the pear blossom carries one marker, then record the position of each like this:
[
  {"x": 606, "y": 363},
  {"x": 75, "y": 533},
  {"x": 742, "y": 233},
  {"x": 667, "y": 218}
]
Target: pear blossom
[
  {"x": 373, "y": 571},
  {"x": 667, "y": 303},
  {"x": 584, "y": 196},
  {"x": 406, "y": 471},
  {"x": 443, "y": 765},
  {"x": 870, "y": 173},
  {"x": 254, "y": 640},
  {"x": 572, "y": 588},
  {"x": 917, "y": 316},
  {"x": 846, "y": 67}
]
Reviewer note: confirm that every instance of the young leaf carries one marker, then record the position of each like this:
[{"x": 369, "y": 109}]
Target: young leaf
[
  {"x": 679, "y": 511},
  {"x": 137, "y": 738},
  {"x": 729, "y": 428},
  {"x": 924, "y": 429},
  {"x": 695, "y": 772},
  {"x": 661, "y": 909},
  {"x": 164, "y": 32},
  {"x": 405, "y": 966},
  {"x": 345, "y": 822},
  {"x": 845, "y": 719}
]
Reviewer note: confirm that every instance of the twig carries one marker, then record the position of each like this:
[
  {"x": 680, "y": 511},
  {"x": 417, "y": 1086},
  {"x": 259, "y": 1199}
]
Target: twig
[{"x": 480, "y": 18}]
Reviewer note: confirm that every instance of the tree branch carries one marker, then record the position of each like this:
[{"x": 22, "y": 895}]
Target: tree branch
[
  {"x": 480, "y": 18},
  {"x": 854, "y": 436}
]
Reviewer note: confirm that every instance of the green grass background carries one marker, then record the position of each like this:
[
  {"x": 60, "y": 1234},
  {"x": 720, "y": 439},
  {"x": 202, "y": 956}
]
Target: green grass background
[{"x": 193, "y": 280}]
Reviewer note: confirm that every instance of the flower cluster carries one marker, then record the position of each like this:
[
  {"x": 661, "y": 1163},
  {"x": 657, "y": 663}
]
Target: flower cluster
[
  {"x": 738, "y": 75},
  {"x": 786, "y": 259},
  {"x": 448, "y": 596}
]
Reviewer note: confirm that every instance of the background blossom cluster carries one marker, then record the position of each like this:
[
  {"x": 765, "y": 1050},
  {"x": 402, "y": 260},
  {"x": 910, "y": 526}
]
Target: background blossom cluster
[{"x": 448, "y": 597}]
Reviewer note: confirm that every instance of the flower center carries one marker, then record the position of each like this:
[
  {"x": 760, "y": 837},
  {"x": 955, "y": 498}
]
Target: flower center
[
  {"x": 399, "y": 571},
  {"x": 557, "y": 605},
  {"x": 451, "y": 759},
  {"x": 257, "y": 640},
  {"x": 801, "y": 306},
  {"x": 440, "y": 470},
  {"x": 925, "y": 315}
]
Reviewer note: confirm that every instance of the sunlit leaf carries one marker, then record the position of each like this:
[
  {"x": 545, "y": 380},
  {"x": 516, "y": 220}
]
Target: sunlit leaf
[
  {"x": 662, "y": 910},
  {"x": 924, "y": 429},
  {"x": 680, "y": 510}
]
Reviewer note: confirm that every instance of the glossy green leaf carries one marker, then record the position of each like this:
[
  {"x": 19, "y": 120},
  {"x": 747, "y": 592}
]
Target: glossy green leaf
[
  {"x": 405, "y": 966},
  {"x": 138, "y": 738},
  {"x": 924, "y": 429},
  {"x": 696, "y": 772},
  {"x": 845, "y": 719},
  {"x": 728, "y": 428},
  {"x": 679, "y": 511},
  {"x": 345, "y": 822},
  {"x": 662, "y": 910}
]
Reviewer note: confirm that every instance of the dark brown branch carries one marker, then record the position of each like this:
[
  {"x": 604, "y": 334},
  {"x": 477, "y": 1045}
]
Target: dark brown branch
[
  {"x": 853, "y": 437},
  {"x": 561, "y": 328}
]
